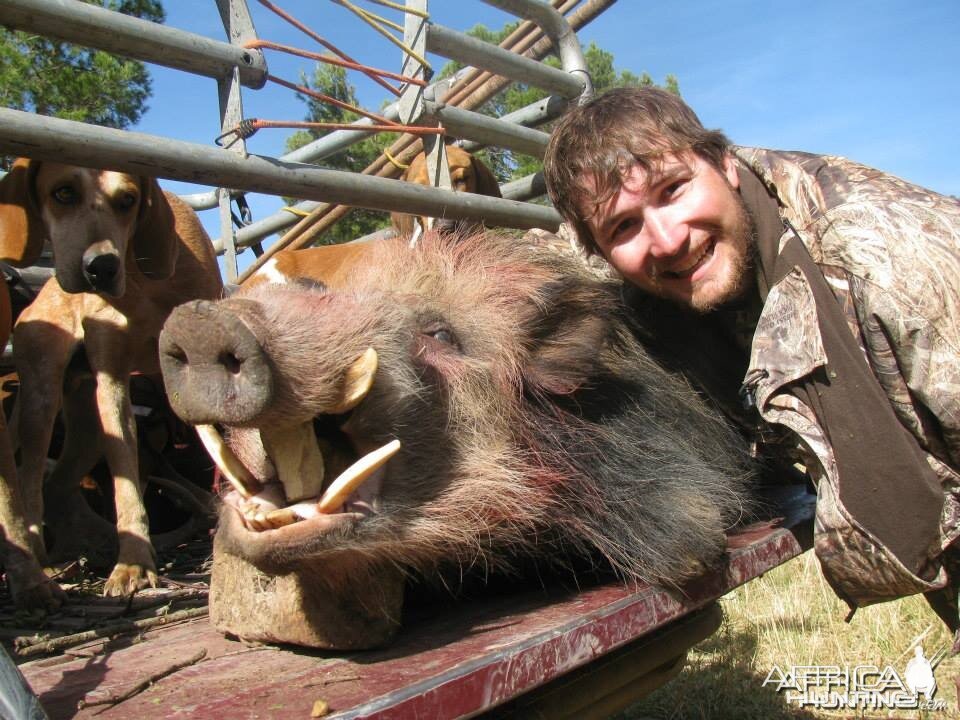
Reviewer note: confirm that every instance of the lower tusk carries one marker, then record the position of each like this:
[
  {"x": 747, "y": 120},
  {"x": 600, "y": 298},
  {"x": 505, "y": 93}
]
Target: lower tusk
[
  {"x": 228, "y": 463},
  {"x": 354, "y": 476}
]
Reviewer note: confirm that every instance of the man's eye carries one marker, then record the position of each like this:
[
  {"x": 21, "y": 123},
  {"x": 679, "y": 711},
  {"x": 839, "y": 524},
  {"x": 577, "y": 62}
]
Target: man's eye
[
  {"x": 66, "y": 195},
  {"x": 673, "y": 188},
  {"x": 624, "y": 226}
]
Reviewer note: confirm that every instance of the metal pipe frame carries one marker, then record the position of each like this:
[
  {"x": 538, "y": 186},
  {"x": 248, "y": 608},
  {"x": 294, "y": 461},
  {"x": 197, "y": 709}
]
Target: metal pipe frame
[
  {"x": 559, "y": 31},
  {"x": 488, "y": 130},
  {"x": 470, "y": 51},
  {"x": 526, "y": 188},
  {"x": 77, "y": 143},
  {"x": 108, "y": 30},
  {"x": 93, "y": 26},
  {"x": 523, "y": 189}
]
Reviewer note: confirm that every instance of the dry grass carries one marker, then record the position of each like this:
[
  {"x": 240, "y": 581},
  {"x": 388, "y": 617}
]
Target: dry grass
[{"x": 791, "y": 617}]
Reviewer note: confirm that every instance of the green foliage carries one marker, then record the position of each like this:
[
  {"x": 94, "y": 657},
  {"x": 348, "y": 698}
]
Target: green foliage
[
  {"x": 66, "y": 81},
  {"x": 332, "y": 80}
]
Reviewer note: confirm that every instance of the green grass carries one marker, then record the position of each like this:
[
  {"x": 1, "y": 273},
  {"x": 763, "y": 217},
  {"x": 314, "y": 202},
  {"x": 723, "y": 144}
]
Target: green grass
[{"x": 791, "y": 617}]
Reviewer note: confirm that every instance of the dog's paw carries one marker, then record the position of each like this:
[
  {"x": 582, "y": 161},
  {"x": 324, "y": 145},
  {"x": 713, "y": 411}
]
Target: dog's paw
[
  {"x": 35, "y": 591},
  {"x": 126, "y": 579}
]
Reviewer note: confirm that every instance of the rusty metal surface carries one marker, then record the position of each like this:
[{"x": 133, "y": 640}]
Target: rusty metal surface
[{"x": 459, "y": 661}]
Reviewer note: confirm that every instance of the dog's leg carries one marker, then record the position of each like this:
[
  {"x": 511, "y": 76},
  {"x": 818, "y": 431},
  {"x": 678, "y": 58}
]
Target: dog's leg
[
  {"x": 77, "y": 530},
  {"x": 41, "y": 353},
  {"x": 29, "y": 585},
  {"x": 109, "y": 355}
]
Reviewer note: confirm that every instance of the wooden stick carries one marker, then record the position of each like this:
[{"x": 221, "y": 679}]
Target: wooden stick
[
  {"x": 107, "y": 631},
  {"x": 116, "y": 699}
]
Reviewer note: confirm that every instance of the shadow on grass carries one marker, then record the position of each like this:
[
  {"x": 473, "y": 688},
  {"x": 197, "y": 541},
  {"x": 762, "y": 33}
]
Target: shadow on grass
[{"x": 718, "y": 683}]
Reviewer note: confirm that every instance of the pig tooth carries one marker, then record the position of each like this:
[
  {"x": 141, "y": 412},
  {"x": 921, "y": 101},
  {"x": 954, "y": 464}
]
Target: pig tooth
[
  {"x": 289, "y": 515},
  {"x": 354, "y": 476},
  {"x": 358, "y": 381},
  {"x": 229, "y": 464},
  {"x": 282, "y": 517},
  {"x": 297, "y": 458}
]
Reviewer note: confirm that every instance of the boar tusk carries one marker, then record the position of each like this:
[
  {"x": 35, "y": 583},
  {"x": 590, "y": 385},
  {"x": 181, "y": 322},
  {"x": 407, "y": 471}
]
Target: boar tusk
[
  {"x": 228, "y": 463},
  {"x": 358, "y": 381},
  {"x": 297, "y": 458},
  {"x": 354, "y": 476}
]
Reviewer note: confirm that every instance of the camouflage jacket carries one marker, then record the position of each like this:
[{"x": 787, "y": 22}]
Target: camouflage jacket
[{"x": 890, "y": 252}]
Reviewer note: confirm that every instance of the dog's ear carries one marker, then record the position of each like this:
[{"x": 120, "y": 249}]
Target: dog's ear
[
  {"x": 403, "y": 224},
  {"x": 486, "y": 181},
  {"x": 21, "y": 229},
  {"x": 416, "y": 171},
  {"x": 155, "y": 244}
]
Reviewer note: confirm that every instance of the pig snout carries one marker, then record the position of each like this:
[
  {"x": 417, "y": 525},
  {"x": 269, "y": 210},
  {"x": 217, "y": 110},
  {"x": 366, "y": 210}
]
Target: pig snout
[{"x": 214, "y": 367}]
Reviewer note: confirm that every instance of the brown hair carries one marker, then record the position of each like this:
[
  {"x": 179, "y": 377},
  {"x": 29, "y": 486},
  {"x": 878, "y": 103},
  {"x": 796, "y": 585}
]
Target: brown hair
[{"x": 602, "y": 139}]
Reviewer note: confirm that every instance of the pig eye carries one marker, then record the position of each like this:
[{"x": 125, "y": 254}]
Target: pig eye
[{"x": 443, "y": 334}]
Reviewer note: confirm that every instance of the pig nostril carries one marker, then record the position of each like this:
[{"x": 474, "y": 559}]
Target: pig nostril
[{"x": 230, "y": 361}]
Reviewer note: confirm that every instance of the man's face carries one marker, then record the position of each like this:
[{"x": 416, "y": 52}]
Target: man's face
[{"x": 681, "y": 233}]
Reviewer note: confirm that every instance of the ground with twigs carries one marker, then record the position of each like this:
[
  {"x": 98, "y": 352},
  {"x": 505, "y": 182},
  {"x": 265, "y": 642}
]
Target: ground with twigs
[
  {"x": 88, "y": 622},
  {"x": 790, "y": 617}
]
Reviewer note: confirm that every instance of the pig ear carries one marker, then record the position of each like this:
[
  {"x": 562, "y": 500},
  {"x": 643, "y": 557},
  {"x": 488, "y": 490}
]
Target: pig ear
[
  {"x": 571, "y": 337},
  {"x": 486, "y": 181},
  {"x": 155, "y": 243},
  {"x": 21, "y": 230}
]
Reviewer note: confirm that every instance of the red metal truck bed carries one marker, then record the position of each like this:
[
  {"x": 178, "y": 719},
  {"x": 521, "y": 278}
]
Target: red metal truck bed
[{"x": 460, "y": 661}]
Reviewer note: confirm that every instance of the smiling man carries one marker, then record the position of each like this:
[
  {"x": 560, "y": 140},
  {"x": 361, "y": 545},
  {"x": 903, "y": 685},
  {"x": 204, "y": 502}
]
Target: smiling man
[{"x": 819, "y": 294}]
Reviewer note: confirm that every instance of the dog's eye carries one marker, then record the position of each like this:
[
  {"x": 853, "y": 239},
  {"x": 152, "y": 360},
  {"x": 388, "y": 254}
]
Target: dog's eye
[
  {"x": 126, "y": 201},
  {"x": 66, "y": 195}
]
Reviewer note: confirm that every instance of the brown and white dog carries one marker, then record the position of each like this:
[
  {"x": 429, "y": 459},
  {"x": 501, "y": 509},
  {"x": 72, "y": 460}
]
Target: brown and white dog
[
  {"x": 125, "y": 254},
  {"x": 467, "y": 174}
]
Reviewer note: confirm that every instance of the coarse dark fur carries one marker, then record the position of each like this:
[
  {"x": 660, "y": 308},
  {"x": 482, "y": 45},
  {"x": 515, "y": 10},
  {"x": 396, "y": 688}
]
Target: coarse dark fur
[{"x": 532, "y": 421}]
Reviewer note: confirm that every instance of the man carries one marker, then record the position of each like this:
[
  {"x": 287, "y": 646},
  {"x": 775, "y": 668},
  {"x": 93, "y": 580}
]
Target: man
[{"x": 832, "y": 291}]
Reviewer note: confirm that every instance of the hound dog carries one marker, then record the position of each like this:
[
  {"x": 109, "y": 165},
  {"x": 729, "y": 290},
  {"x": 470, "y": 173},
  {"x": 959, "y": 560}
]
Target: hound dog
[
  {"x": 125, "y": 254},
  {"x": 467, "y": 174}
]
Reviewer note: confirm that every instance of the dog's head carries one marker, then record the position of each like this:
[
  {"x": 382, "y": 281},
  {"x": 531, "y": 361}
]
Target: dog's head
[
  {"x": 467, "y": 174},
  {"x": 99, "y": 224}
]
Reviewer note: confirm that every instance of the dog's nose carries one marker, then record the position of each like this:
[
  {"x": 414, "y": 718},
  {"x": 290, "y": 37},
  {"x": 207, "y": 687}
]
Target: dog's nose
[{"x": 102, "y": 271}]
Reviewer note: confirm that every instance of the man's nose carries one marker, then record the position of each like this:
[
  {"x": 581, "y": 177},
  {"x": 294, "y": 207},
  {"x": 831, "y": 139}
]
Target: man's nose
[{"x": 666, "y": 234}]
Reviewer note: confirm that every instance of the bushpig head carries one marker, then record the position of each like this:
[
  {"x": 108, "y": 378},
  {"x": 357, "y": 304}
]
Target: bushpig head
[{"x": 470, "y": 400}]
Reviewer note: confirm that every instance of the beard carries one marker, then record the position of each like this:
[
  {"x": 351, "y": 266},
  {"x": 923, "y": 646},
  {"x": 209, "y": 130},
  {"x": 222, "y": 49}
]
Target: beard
[{"x": 730, "y": 290}]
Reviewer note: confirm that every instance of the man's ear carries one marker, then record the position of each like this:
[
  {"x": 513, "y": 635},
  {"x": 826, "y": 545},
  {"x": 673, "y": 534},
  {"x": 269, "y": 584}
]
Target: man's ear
[{"x": 730, "y": 170}]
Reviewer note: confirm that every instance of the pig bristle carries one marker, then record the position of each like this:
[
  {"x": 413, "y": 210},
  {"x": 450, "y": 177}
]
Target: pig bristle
[{"x": 547, "y": 425}]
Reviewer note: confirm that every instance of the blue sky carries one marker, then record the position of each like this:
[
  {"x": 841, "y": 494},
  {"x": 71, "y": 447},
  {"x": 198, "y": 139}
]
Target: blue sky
[{"x": 872, "y": 80}]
